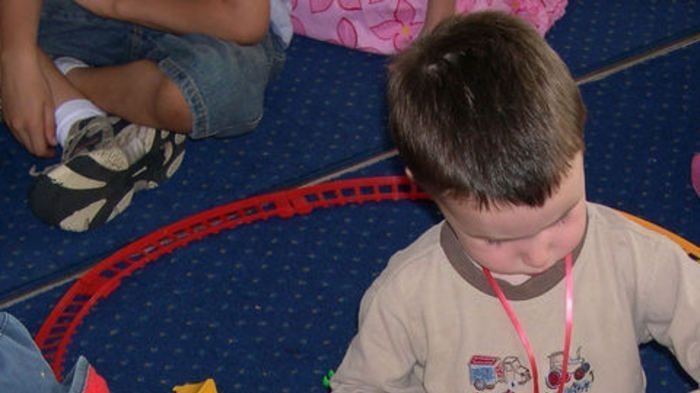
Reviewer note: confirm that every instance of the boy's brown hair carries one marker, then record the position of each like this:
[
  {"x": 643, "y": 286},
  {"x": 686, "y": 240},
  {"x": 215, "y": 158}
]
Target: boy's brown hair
[{"x": 482, "y": 108}]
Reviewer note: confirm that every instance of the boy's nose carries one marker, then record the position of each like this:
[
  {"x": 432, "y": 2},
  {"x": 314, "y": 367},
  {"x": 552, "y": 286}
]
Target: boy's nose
[
  {"x": 536, "y": 262},
  {"x": 537, "y": 256},
  {"x": 536, "y": 251}
]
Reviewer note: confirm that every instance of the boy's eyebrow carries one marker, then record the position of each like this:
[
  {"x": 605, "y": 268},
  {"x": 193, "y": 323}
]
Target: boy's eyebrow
[{"x": 566, "y": 212}]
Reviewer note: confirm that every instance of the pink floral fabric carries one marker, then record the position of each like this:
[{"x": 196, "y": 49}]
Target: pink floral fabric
[{"x": 388, "y": 26}]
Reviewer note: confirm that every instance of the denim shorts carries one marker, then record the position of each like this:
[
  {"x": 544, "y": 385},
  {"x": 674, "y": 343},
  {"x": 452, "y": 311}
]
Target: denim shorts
[
  {"x": 222, "y": 82},
  {"x": 24, "y": 370}
]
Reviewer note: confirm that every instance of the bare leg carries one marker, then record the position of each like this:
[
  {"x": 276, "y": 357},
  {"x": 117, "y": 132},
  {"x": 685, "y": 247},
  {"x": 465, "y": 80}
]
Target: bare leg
[
  {"x": 39, "y": 134},
  {"x": 96, "y": 184},
  {"x": 61, "y": 88},
  {"x": 138, "y": 92}
]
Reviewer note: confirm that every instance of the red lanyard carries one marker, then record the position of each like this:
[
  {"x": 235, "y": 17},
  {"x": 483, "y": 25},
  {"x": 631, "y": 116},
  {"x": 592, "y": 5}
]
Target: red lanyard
[{"x": 521, "y": 332}]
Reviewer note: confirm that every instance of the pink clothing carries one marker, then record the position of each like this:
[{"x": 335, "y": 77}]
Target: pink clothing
[
  {"x": 695, "y": 173},
  {"x": 388, "y": 26}
]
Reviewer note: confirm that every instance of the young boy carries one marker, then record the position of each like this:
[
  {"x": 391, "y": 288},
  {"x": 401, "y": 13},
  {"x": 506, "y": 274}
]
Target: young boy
[
  {"x": 198, "y": 68},
  {"x": 525, "y": 286}
]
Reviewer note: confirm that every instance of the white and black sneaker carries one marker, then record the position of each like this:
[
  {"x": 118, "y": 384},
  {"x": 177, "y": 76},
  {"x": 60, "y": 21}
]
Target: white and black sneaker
[{"x": 105, "y": 161}]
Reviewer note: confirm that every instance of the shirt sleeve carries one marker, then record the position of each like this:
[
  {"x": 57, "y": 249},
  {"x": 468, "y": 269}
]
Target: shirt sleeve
[
  {"x": 380, "y": 357},
  {"x": 672, "y": 304}
]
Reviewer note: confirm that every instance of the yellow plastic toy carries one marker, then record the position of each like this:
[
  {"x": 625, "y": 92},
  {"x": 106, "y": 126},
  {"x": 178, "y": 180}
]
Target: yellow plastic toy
[{"x": 207, "y": 386}]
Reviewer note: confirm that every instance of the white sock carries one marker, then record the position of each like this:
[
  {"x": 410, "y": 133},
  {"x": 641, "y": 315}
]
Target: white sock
[
  {"x": 65, "y": 64},
  {"x": 70, "y": 112}
]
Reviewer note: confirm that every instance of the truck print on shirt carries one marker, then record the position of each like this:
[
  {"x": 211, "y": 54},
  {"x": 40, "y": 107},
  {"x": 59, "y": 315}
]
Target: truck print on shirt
[
  {"x": 506, "y": 374},
  {"x": 487, "y": 372}
]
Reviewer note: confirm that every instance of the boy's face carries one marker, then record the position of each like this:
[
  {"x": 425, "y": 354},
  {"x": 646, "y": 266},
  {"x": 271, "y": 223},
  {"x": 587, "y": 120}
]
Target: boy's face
[{"x": 522, "y": 240}]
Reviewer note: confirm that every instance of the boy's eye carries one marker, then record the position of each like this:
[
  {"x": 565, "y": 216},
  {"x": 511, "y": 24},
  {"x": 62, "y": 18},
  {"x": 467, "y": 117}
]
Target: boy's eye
[{"x": 493, "y": 242}]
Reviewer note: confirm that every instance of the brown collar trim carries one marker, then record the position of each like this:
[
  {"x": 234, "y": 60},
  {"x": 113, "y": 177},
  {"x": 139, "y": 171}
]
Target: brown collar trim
[{"x": 467, "y": 269}]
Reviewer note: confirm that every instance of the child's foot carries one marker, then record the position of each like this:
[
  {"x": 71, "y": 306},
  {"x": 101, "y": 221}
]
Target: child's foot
[
  {"x": 105, "y": 161},
  {"x": 87, "y": 135}
]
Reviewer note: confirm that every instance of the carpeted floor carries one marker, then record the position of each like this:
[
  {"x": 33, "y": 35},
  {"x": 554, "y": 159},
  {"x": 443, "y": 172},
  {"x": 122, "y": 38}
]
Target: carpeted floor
[{"x": 270, "y": 307}]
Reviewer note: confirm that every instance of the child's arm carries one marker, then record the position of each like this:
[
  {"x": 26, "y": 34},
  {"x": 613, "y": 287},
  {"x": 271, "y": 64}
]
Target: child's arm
[
  {"x": 671, "y": 299},
  {"x": 381, "y": 356},
  {"x": 242, "y": 21},
  {"x": 26, "y": 97},
  {"x": 436, "y": 12}
]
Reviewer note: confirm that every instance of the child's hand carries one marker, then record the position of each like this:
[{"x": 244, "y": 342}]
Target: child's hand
[{"x": 28, "y": 107}]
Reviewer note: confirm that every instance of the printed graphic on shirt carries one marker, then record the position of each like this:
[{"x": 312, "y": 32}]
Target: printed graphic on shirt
[
  {"x": 507, "y": 374},
  {"x": 487, "y": 373},
  {"x": 579, "y": 374}
]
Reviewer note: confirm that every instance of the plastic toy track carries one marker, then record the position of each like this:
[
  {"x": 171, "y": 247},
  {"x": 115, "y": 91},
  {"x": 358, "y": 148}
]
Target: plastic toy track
[{"x": 102, "y": 279}]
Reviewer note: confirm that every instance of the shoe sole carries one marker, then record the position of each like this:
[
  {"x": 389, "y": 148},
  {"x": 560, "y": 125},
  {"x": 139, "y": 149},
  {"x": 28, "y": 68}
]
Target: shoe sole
[{"x": 91, "y": 189}]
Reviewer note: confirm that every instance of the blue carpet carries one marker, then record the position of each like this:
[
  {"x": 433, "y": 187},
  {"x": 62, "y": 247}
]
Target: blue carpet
[
  {"x": 265, "y": 308},
  {"x": 325, "y": 111},
  {"x": 271, "y": 307},
  {"x": 595, "y": 33},
  {"x": 641, "y": 135},
  {"x": 319, "y": 118},
  {"x": 33, "y": 312}
]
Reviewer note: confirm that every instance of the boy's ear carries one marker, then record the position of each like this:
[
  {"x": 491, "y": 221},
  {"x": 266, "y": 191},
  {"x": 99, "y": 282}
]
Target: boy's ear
[{"x": 409, "y": 174}]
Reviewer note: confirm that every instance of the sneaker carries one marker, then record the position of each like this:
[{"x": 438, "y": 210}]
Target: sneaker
[
  {"x": 106, "y": 160},
  {"x": 87, "y": 135}
]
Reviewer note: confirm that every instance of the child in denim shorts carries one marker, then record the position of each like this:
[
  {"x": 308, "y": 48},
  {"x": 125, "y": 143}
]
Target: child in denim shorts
[
  {"x": 119, "y": 73},
  {"x": 24, "y": 370}
]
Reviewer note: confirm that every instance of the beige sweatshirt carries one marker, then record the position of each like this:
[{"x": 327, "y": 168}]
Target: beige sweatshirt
[{"x": 430, "y": 323}]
